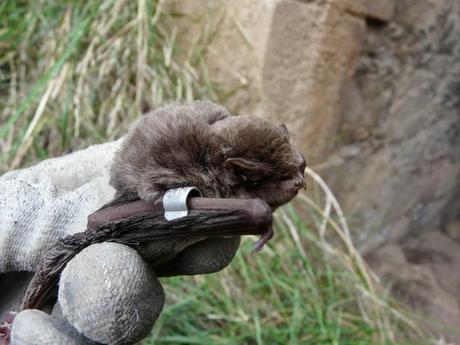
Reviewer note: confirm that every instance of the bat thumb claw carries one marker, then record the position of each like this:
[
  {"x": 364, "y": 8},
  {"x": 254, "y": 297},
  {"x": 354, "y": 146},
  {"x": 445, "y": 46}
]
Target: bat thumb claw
[{"x": 264, "y": 238}]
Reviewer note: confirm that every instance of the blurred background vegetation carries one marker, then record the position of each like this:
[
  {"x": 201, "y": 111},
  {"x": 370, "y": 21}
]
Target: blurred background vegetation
[{"x": 74, "y": 73}]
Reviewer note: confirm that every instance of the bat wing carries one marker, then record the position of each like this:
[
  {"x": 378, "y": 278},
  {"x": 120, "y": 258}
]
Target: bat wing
[{"x": 133, "y": 222}]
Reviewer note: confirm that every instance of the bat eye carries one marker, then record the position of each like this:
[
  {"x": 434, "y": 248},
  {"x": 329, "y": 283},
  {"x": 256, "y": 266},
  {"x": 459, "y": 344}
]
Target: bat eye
[
  {"x": 242, "y": 177},
  {"x": 255, "y": 184}
]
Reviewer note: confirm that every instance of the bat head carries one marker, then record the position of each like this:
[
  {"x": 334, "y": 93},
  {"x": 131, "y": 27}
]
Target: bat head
[{"x": 260, "y": 161}]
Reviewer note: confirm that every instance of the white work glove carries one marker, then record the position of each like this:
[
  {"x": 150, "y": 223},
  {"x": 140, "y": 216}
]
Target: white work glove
[{"x": 107, "y": 293}]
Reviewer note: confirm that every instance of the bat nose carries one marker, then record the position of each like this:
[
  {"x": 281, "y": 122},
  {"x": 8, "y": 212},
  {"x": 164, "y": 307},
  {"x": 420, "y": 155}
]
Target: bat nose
[
  {"x": 298, "y": 185},
  {"x": 300, "y": 181},
  {"x": 302, "y": 163}
]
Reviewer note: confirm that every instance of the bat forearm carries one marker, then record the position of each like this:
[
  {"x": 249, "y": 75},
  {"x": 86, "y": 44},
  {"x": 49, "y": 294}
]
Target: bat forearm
[{"x": 207, "y": 217}]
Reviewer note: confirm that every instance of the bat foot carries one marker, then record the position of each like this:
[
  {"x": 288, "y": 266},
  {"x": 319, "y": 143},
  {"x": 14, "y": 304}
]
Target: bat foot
[{"x": 5, "y": 328}]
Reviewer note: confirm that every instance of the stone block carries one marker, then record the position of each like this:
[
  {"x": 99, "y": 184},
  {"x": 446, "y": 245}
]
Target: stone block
[
  {"x": 311, "y": 51},
  {"x": 235, "y": 56}
]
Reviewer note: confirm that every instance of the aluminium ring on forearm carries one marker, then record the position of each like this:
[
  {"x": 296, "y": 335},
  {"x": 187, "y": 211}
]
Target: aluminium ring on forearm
[{"x": 175, "y": 201}]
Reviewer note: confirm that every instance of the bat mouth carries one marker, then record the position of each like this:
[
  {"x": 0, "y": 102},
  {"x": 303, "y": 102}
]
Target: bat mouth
[
  {"x": 289, "y": 189},
  {"x": 290, "y": 195}
]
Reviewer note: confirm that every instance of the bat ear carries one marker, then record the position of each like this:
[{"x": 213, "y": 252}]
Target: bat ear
[
  {"x": 285, "y": 131},
  {"x": 246, "y": 169}
]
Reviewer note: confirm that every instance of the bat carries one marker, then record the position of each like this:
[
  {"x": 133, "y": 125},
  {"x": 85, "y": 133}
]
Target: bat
[{"x": 201, "y": 144}]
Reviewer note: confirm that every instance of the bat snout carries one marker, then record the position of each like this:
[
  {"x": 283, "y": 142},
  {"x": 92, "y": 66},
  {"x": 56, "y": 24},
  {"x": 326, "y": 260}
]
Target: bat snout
[
  {"x": 295, "y": 185},
  {"x": 300, "y": 183},
  {"x": 301, "y": 162}
]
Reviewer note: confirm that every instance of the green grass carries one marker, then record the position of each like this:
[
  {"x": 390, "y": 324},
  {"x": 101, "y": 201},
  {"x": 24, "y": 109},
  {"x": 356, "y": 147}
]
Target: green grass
[{"x": 74, "y": 73}]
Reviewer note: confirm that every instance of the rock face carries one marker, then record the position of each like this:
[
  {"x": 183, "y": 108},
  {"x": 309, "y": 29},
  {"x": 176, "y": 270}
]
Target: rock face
[
  {"x": 401, "y": 119},
  {"x": 370, "y": 91},
  {"x": 240, "y": 31},
  {"x": 312, "y": 50}
]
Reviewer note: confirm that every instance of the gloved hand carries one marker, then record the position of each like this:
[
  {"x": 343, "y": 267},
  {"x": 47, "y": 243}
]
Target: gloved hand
[{"x": 108, "y": 293}]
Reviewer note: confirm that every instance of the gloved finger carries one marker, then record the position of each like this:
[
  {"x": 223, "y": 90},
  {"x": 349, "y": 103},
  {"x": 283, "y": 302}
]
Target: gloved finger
[
  {"x": 33, "y": 327},
  {"x": 109, "y": 294},
  {"x": 207, "y": 256}
]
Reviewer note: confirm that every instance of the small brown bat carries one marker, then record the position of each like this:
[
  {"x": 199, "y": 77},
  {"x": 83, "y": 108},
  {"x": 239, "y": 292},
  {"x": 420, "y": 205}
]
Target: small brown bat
[
  {"x": 196, "y": 144},
  {"x": 201, "y": 144}
]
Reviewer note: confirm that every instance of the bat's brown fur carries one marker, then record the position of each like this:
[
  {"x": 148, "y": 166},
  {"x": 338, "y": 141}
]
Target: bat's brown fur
[{"x": 201, "y": 144}]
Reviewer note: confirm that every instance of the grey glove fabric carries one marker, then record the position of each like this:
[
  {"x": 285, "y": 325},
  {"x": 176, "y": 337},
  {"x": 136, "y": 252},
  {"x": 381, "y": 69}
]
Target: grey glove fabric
[
  {"x": 50, "y": 200},
  {"x": 36, "y": 327},
  {"x": 109, "y": 294}
]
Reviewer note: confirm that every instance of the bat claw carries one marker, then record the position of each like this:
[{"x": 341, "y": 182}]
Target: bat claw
[{"x": 264, "y": 238}]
